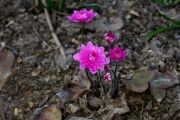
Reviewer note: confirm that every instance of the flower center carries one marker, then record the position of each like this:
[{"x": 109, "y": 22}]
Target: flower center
[
  {"x": 82, "y": 16},
  {"x": 117, "y": 55},
  {"x": 92, "y": 57}
]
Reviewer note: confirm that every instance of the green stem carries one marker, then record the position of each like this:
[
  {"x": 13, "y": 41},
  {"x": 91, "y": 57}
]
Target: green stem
[
  {"x": 82, "y": 34},
  {"x": 100, "y": 83},
  {"x": 116, "y": 67},
  {"x": 89, "y": 77},
  {"x": 114, "y": 89}
]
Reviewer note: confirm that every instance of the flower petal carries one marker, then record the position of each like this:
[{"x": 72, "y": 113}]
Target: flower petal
[
  {"x": 82, "y": 67},
  {"x": 90, "y": 44},
  {"x": 107, "y": 61},
  {"x": 82, "y": 16},
  {"x": 93, "y": 71},
  {"x": 77, "y": 57},
  {"x": 82, "y": 46}
]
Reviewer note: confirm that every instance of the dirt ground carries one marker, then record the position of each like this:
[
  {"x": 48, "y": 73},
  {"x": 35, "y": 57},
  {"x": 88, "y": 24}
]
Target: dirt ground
[{"x": 40, "y": 73}]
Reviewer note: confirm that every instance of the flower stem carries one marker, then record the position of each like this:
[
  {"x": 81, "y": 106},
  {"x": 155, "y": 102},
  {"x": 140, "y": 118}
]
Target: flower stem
[
  {"x": 114, "y": 87},
  {"x": 101, "y": 84},
  {"x": 116, "y": 67},
  {"x": 82, "y": 33},
  {"x": 89, "y": 77}
]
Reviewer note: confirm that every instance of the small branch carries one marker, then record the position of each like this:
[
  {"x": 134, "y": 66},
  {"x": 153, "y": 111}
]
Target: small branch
[
  {"x": 59, "y": 45},
  {"x": 60, "y": 13},
  {"x": 32, "y": 78}
]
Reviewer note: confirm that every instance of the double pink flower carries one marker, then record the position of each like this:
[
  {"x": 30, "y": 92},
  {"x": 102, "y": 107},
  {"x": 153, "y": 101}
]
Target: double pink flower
[
  {"x": 82, "y": 16},
  {"x": 110, "y": 37},
  {"x": 117, "y": 54},
  {"x": 92, "y": 57}
]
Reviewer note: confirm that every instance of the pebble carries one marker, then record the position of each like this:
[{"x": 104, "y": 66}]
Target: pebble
[
  {"x": 94, "y": 103},
  {"x": 17, "y": 111},
  {"x": 73, "y": 108},
  {"x": 132, "y": 12},
  {"x": 36, "y": 72},
  {"x": 177, "y": 56},
  {"x": 153, "y": 66},
  {"x": 162, "y": 66}
]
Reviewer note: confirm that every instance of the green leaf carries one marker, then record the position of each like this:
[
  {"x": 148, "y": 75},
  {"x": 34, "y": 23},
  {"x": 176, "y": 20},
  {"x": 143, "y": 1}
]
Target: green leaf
[
  {"x": 162, "y": 29},
  {"x": 166, "y": 17},
  {"x": 167, "y": 2},
  {"x": 57, "y": 5},
  {"x": 49, "y": 5},
  {"x": 61, "y": 4},
  {"x": 90, "y": 6}
]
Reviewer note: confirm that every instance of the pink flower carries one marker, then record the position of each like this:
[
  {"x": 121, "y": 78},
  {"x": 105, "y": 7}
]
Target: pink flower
[
  {"x": 91, "y": 57},
  {"x": 82, "y": 16},
  {"x": 107, "y": 76},
  {"x": 108, "y": 67},
  {"x": 117, "y": 54},
  {"x": 110, "y": 37}
]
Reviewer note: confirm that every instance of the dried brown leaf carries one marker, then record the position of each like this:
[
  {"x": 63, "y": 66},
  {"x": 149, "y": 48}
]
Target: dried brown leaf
[
  {"x": 114, "y": 106},
  {"x": 6, "y": 62},
  {"x": 70, "y": 94},
  {"x": 75, "y": 88},
  {"x": 51, "y": 113},
  {"x": 81, "y": 80},
  {"x": 139, "y": 82},
  {"x": 159, "y": 85}
]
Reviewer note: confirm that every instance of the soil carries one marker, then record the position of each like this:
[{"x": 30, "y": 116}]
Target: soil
[{"x": 39, "y": 72}]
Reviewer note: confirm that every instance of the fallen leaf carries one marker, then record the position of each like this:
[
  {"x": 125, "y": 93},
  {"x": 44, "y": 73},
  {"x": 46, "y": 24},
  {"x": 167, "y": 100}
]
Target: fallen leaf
[
  {"x": 78, "y": 118},
  {"x": 17, "y": 111},
  {"x": 73, "y": 108},
  {"x": 6, "y": 62},
  {"x": 75, "y": 88},
  {"x": 116, "y": 106},
  {"x": 159, "y": 85},
  {"x": 139, "y": 81},
  {"x": 70, "y": 94},
  {"x": 2, "y": 117},
  {"x": 64, "y": 63},
  {"x": 81, "y": 80},
  {"x": 157, "y": 93},
  {"x": 51, "y": 113},
  {"x": 116, "y": 23},
  {"x": 36, "y": 72},
  {"x": 94, "y": 102},
  {"x": 132, "y": 12}
]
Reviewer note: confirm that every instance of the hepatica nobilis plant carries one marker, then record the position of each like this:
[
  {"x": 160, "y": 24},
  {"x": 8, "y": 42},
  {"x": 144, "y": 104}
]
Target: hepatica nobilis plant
[
  {"x": 82, "y": 16},
  {"x": 95, "y": 60}
]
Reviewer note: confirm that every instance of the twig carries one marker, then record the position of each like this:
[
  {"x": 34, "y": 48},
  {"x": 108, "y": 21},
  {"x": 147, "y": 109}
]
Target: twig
[
  {"x": 59, "y": 45},
  {"x": 60, "y": 13},
  {"x": 32, "y": 78}
]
